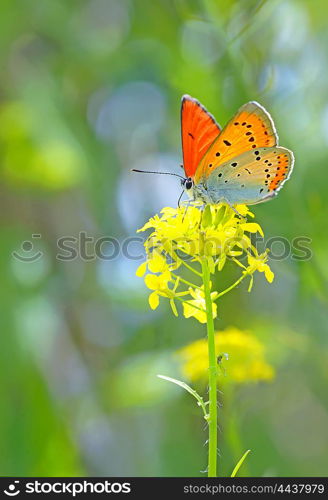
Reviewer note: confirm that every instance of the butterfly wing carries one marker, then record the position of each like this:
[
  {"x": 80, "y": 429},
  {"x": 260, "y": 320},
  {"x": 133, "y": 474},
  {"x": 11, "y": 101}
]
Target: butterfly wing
[
  {"x": 198, "y": 131},
  {"x": 251, "y": 177},
  {"x": 251, "y": 128}
]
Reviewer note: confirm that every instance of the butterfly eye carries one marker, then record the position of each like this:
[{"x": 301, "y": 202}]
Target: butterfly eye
[{"x": 188, "y": 184}]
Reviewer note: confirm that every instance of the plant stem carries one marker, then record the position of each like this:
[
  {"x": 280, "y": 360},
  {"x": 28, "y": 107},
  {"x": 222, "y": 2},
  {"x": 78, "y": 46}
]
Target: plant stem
[
  {"x": 185, "y": 281},
  {"x": 212, "y": 375},
  {"x": 191, "y": 305},
  {"x": 243, "y": 276},
  {"x": 191, "y": 268}
]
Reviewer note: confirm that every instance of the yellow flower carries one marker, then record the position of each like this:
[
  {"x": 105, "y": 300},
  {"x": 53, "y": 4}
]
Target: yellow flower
[
  {"x": 241, "y": 354},
  {"x": 157, "y": 263},
  {"x": 196, "y": 307},
  {"x": 158, "y": 283},
  {"x": 186, "y": 236},
  {"x": 258, "y": 263},
  {"x": 193, "y": 232}
]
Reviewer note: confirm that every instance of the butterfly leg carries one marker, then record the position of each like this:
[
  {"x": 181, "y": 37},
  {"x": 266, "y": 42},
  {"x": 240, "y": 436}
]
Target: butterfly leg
[
  {"x": 180, "y": 198},
  {"x": 234, "y": 209},
  {"x": 201, "y": 210},
  {"x": 185, "y": 212}
]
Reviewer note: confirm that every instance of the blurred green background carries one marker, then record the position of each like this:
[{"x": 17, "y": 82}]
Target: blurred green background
[{"x": 89, "y": 90}]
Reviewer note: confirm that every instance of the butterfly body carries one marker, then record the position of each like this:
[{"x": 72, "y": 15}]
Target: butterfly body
[{"x": 241, "y": 164}]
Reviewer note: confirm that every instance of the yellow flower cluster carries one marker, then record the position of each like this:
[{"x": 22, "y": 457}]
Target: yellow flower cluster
[
  {"x": 240, "y": 354},
  {"x": 182, "y": 237}
]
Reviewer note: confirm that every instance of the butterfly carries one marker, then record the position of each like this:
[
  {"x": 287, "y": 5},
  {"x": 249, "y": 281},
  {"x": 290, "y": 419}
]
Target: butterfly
[{"x": 239, "y": 164}]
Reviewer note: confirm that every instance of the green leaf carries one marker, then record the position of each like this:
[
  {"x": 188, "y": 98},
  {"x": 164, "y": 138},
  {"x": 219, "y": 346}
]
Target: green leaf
[
  {"x": 187, "y": 388},
  {"x": 221, "y": 261},
  {"x": 240, "y": 463},
  {"x": 211, "y": 264},
  {"x": 207, "y": 216},
  {"x": 219, "y": 215}
]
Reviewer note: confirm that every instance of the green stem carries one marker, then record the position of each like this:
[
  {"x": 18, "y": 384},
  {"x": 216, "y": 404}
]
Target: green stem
[
  {"x": 233, "y": 286},
  {"x": 212, "y": 375},
  {"x": 191, "y": 268},
  {"x": 186, "y": 282},
  {"x": 191, "y": 305}
]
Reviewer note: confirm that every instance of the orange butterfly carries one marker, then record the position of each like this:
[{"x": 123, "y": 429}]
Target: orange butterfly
[{"x": 242, "y": 163}]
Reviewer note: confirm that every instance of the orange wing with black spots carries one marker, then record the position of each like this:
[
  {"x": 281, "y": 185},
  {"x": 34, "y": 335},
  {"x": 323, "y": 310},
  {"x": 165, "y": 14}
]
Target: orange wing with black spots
[
  {"x": 253, "y": 176},
  {"x": 251, "y": 128},
  {"x": 198, "y": 131},
  {"x": 282, "y": 162}
]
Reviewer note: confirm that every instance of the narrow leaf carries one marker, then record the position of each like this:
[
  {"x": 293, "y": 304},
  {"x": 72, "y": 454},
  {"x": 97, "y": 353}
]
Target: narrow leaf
[
  {"x": 187, "y": 388},
  {"x": 219, "y": 215},
  {"x": 240, "y": 463},
  {"x": 207, "y": 216}
]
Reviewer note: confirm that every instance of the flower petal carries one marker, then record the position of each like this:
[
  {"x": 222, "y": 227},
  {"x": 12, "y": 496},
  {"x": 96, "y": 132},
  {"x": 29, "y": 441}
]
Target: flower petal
[
  {"x": 151, "y": 281},
  {"x": 153, "y": 300},
  {"x": 252, "y": 227},
  {"x": 141, "y": 269},
  {"x": 189, "y": 311},
  {"x": 157, "y": 263},
  {"x": 268, "y": 273}
]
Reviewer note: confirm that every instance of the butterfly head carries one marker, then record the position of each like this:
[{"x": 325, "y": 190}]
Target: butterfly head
[
  {"x": 187, "y": 184},
  {"x": 196, "y": 191}
]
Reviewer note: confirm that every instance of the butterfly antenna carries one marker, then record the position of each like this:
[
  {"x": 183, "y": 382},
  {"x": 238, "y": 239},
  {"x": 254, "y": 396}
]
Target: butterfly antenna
[{"x": 153, "y": 172}]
